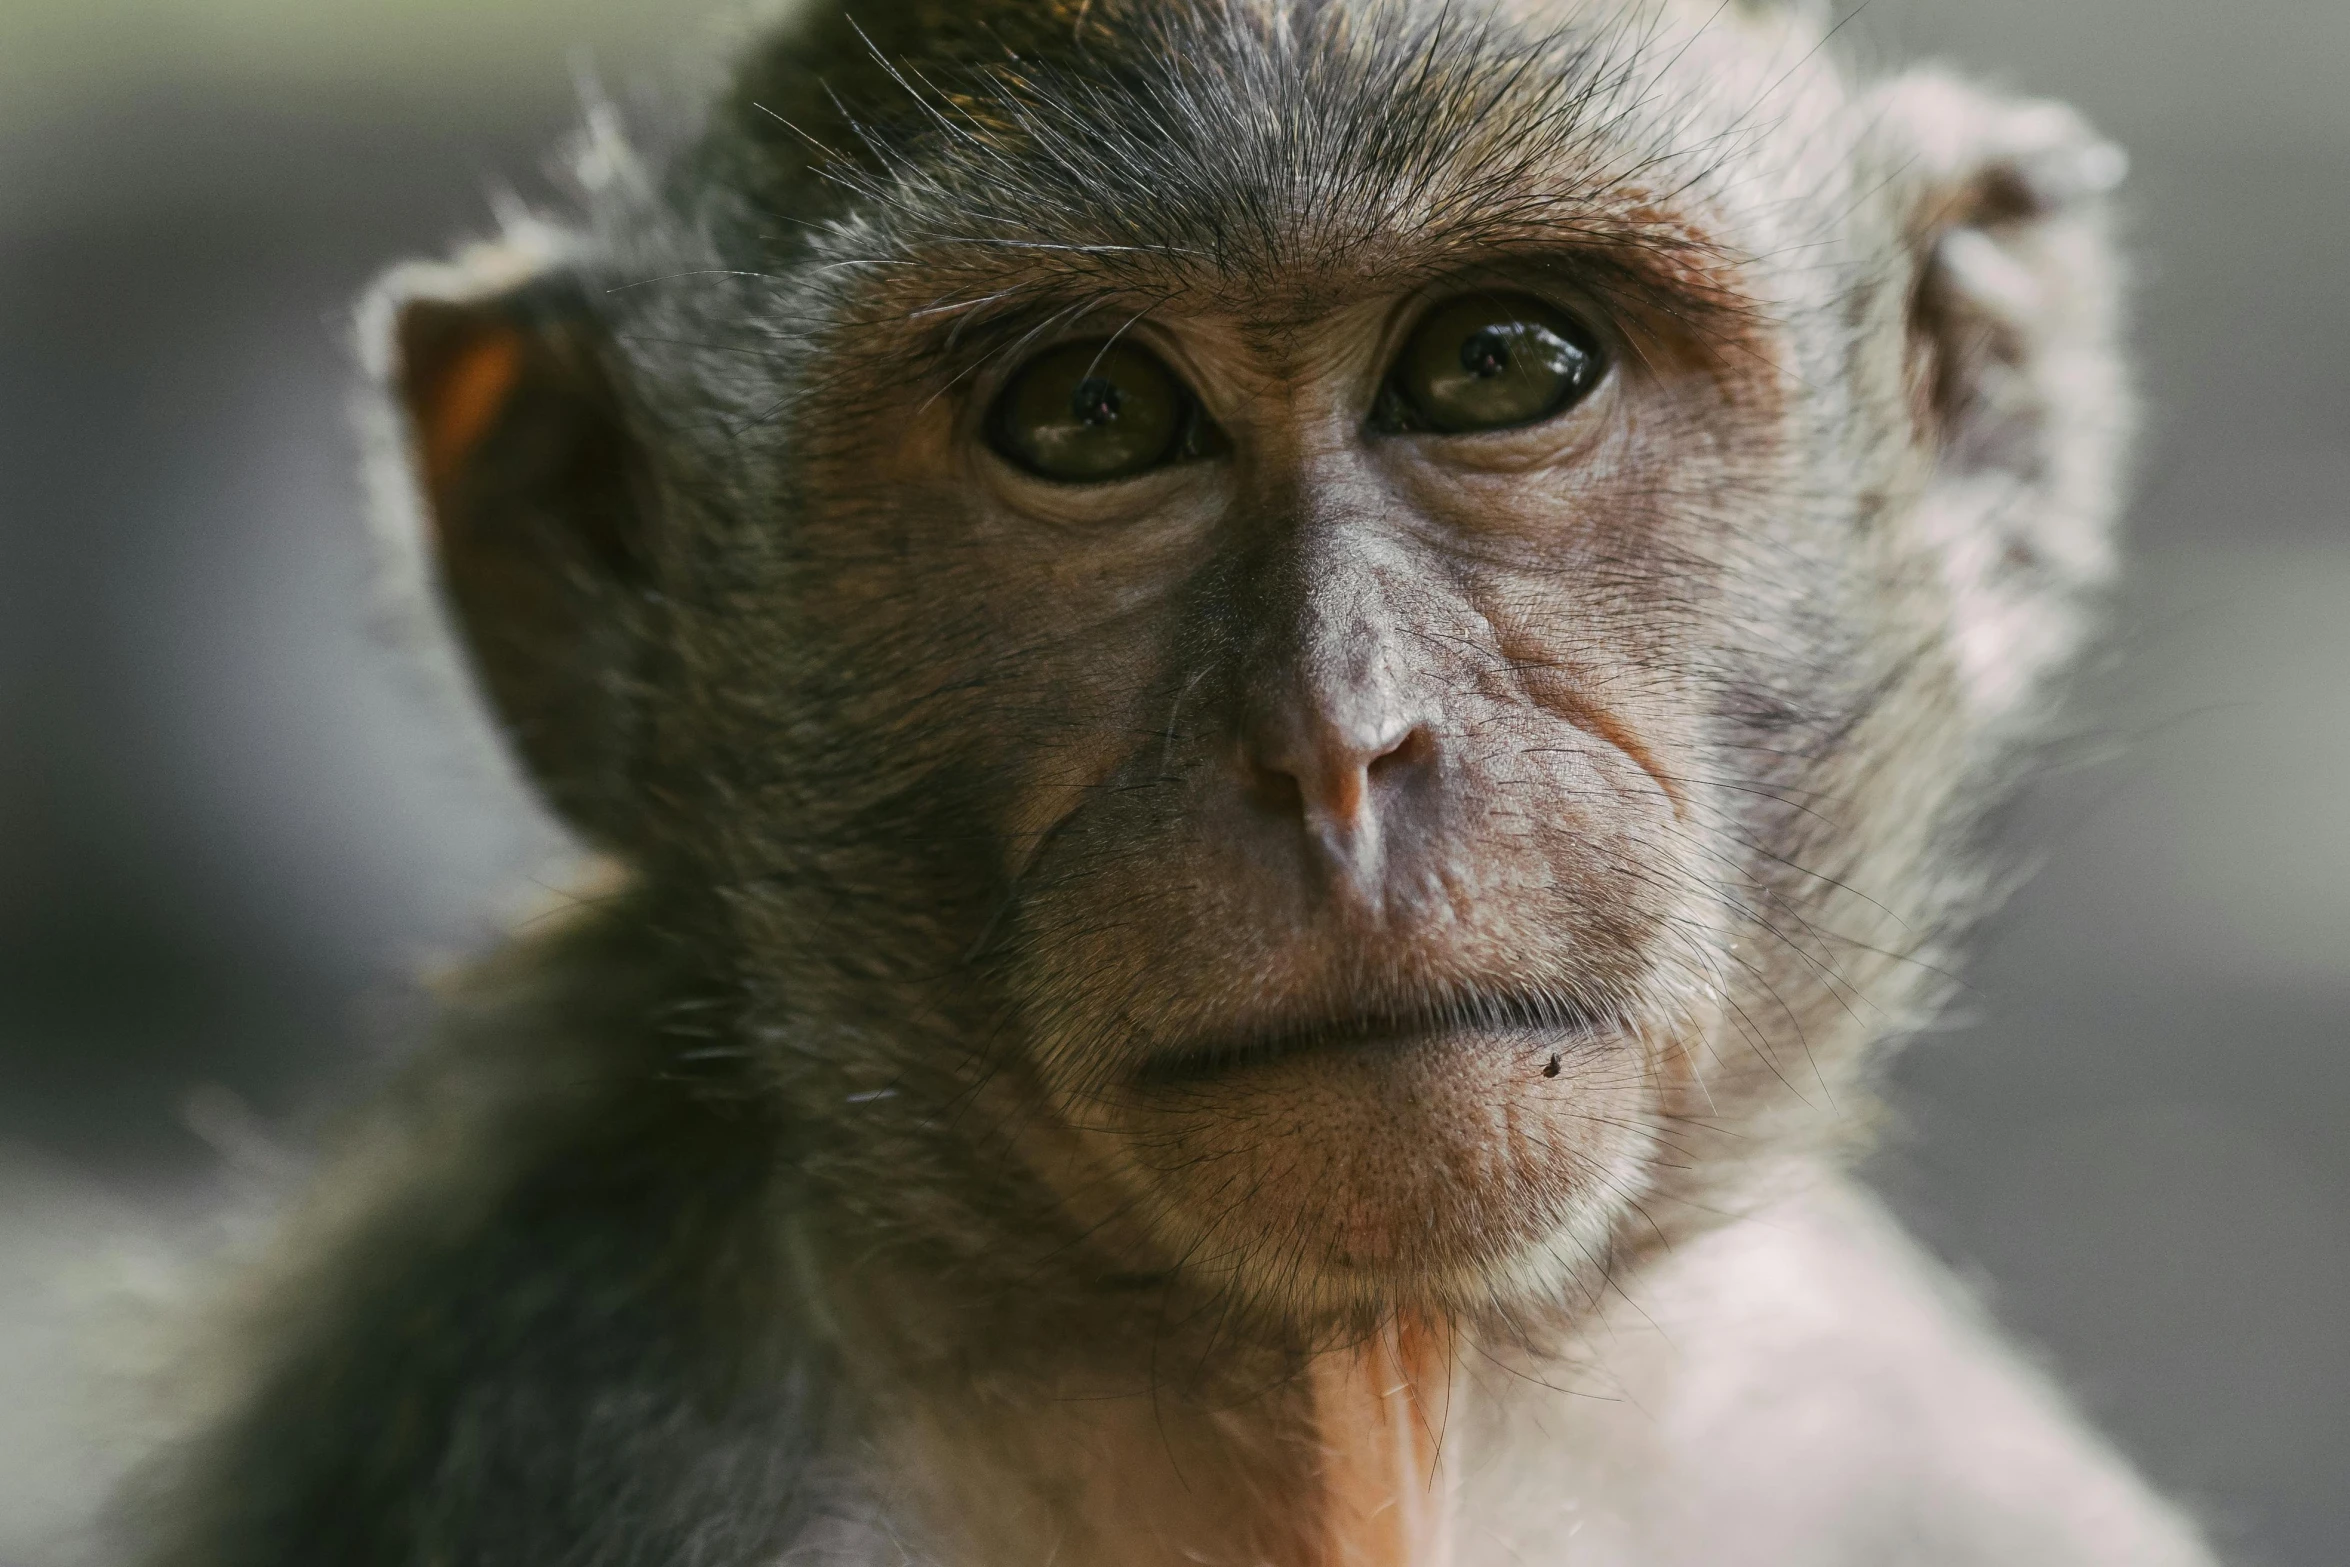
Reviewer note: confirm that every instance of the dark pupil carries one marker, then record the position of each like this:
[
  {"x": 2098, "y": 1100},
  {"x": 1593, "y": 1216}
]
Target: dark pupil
[
  {"x": 1485, "y": 354},
  {"x": 1095, "y": 402}
]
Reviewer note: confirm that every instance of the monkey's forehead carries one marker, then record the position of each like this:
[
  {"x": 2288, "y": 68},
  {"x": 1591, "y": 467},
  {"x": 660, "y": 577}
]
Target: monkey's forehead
[{"x": 1261, "y": 137}]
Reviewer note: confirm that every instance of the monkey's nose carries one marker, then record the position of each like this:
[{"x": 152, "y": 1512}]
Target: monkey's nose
[{"x": 1332, "y": 779}]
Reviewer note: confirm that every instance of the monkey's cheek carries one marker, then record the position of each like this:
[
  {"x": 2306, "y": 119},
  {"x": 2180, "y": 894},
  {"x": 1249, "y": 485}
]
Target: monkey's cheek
[{"x": 1451, "y": 1174}]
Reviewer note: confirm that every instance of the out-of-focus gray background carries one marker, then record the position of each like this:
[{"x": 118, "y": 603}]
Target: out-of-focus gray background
[{"x": 234, "y": 818}]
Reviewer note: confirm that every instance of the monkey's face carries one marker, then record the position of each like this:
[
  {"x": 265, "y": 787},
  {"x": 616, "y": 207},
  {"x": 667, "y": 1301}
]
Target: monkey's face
[
  {"x": 1280, "y": 619},
  {"x": 1333, "y": 674},
  {"x": 1257, "y": 617}
]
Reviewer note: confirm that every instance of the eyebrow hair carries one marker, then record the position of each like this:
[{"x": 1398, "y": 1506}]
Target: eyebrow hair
[{"x": 952, "y": 337}]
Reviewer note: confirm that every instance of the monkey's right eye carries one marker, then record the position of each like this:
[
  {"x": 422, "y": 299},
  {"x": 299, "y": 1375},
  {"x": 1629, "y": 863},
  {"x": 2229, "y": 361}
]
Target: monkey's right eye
[{"x": 1086, "y": 413}]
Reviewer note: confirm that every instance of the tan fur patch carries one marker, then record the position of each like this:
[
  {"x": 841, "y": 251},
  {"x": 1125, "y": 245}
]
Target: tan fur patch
[{"x": 1380, "y": 1410}]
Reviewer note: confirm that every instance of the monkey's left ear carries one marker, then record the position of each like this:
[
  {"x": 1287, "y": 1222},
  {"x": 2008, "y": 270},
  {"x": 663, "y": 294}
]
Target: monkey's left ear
[
  {"x": 537, "y": 498},
  {"x": 2015, "y": 373}
]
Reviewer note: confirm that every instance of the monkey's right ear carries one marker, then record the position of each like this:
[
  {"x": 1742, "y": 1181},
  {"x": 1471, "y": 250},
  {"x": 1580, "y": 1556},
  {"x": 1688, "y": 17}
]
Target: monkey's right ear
[{"x": 537, "y": 497}]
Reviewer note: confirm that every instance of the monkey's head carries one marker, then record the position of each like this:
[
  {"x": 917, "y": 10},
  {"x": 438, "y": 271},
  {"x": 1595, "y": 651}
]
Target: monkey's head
[{"x": 1344, "y": 643}]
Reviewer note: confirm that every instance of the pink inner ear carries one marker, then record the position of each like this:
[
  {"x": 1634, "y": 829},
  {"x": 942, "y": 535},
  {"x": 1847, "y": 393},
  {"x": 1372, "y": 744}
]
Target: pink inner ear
[{"x": 465, "y": 399}]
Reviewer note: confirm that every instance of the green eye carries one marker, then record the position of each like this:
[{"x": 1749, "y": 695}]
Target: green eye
[
  {"x": 1486, "y": 362},
  {"x": 1084, "y": 413}
]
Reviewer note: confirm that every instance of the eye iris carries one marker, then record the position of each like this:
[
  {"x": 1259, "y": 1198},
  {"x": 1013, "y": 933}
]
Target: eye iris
[
  {"x": 1084, "y": 413},
  {"x": 1487, "y": 363}
]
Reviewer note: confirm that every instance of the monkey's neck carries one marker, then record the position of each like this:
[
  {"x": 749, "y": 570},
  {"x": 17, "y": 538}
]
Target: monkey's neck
[
  {"x": 1098, "y": 1464},
  {"x": 1380, "y": 1410}
]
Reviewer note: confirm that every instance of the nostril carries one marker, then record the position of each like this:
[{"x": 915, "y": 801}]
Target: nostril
[
  {"x": 1413, "y": 751},
  {"x": 1278, "y": 791}
]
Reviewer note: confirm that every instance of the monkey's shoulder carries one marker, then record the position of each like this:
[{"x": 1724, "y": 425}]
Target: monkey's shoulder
[
  {"x": 1806, "y": 1385},
  {"x": 538, "y": 1307}
]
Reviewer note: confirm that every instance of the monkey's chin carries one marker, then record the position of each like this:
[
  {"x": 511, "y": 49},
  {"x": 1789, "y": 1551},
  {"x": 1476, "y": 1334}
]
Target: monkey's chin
[{"x": 1458, "y": 1170}]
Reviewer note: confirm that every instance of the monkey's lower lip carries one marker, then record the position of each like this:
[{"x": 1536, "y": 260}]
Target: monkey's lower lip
[{"x": 1487, "y": 1021}]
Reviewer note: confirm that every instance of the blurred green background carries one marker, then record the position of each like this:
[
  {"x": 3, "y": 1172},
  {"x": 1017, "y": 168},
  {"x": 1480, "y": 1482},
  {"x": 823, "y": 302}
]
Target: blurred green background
[{"x": 235, "y": 819}]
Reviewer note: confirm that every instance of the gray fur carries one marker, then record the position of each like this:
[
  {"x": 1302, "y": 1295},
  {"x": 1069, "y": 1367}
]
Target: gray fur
[{"x": 604, "y": 1282}]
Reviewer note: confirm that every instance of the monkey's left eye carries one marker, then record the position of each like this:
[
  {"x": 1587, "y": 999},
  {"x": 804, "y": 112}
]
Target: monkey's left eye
[
  {"x": 1487, "y": 362},
  {"x": 1086, "y": 413}
]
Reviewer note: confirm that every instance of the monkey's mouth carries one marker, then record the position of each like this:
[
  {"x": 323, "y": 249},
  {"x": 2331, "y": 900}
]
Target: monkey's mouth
[{"x": 1502, "y": 1021}]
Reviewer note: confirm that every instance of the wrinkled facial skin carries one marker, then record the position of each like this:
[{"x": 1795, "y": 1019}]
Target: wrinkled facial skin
[
  {"x": 1341, "y": 790},
  {"x": 1321, "y": 850},
  {"x": 1181, "y": 750}
]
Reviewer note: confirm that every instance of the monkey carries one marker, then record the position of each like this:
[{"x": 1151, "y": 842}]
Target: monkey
[{"x": 1287, "y": 695}]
